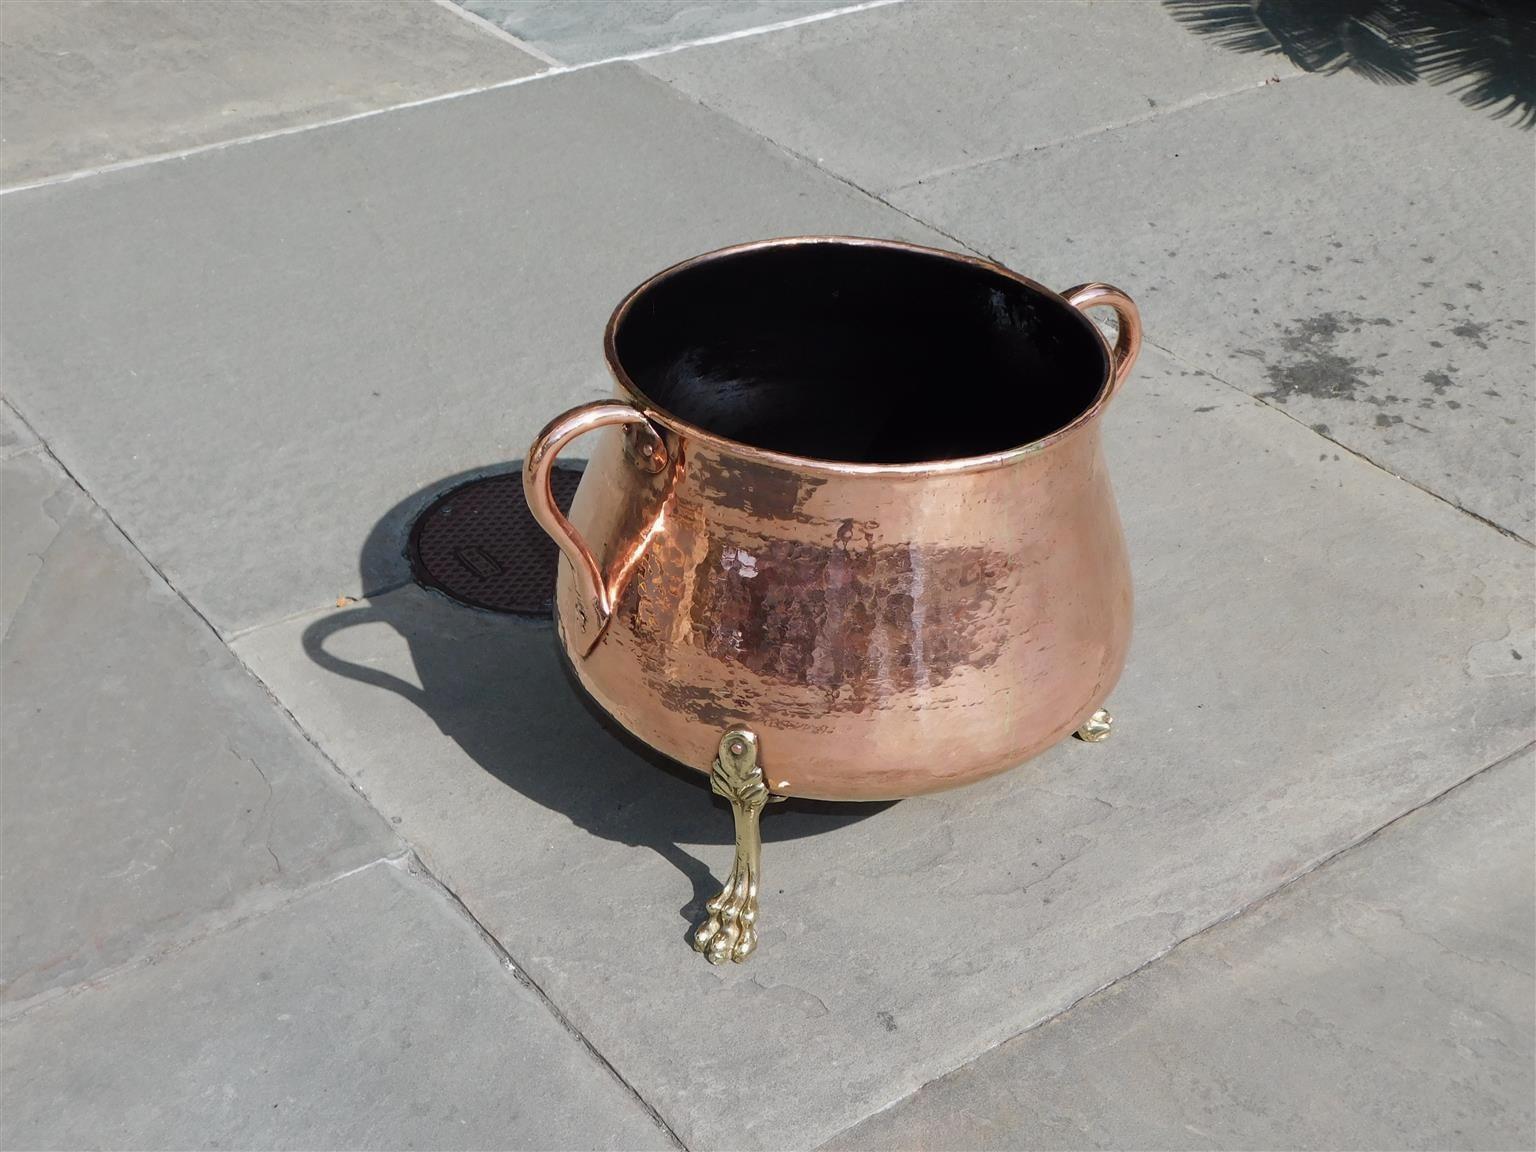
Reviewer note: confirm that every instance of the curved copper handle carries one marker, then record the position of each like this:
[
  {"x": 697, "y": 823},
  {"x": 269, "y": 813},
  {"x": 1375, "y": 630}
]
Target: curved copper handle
[
  {"x": 1128, "y": 340},
  {"x": 651, "y": 453}
]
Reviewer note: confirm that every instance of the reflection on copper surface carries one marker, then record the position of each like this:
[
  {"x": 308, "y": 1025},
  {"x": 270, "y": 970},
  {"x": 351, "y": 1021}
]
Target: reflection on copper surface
[{"x": 884, "y": 629}]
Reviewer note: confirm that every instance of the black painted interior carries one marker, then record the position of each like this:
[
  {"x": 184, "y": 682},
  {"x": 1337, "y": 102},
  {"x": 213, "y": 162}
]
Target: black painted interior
[{"x": 861, "y": 354}]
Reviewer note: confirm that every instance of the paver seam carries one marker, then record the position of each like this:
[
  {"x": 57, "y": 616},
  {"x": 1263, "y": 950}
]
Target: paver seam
[
  {"x": 275, "y": 133},
  {"x": 272, "y": 697},
  {"x": 342, "y": 601},
  {"x": 1283, "y": 886},
  {"x": 1356, "y": 452},
  {"x": 1157, "y": 113},
  {"x": 1160, "y": 347},
  {"x": 408, "y": 854},
  {"x": 131, "y": 542},
  {"x": 1497, "y": 527},
  {"x": 499, "y": 33},
  {"x": 558, "y": 69},
  {"x": 413, "y": 860},
  {"x": 513, "y": 82},
  {"x": 417, "y": 867},
  {"x": 807, "y": 160},
  {"x": 37, "y": 441},
  {"x": 178, "y": 944},
  {"x": 405, "y": 860},
  {"x": 718, "y": 38}
]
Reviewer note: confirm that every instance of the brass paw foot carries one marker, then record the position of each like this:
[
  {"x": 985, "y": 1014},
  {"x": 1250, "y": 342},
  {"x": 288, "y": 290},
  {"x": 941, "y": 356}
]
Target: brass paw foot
[
  {"x": 730, "y": 933},
  {"x": 1096, "y": 731}
]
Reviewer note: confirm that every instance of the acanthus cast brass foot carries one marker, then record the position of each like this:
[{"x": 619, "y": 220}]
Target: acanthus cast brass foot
[
  {"x": 1096, "y": 730},
  {"x": 730, "y": 933}
]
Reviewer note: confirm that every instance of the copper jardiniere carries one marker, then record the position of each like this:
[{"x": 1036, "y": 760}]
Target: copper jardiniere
[{"x": 848, "y": 533}]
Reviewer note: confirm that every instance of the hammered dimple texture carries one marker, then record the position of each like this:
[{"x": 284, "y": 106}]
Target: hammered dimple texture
[{"x": 480, "y": 545}]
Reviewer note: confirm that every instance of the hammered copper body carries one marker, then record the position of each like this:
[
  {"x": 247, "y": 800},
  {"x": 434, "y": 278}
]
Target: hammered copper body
[{"x": 886, "y": 629}]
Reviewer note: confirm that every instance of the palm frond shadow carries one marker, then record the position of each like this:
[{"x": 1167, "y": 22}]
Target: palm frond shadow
[{"x": 1484, "y": 49}]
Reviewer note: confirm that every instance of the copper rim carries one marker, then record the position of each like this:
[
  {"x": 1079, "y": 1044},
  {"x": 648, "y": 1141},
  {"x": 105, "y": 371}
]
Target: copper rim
[{"x": 659, "y": 415}]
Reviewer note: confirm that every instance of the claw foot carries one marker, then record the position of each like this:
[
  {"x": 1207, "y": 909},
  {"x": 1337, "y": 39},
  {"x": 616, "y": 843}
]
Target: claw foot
[
  {"x": 1096, "y": 730},
  {"x": 730, "y": 933}
]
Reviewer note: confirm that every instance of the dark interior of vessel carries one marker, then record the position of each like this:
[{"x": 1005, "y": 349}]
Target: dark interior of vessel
[{"x": 860, "y": 353}]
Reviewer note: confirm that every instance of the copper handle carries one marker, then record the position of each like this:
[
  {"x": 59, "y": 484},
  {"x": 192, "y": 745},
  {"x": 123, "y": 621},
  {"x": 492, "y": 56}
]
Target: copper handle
[
  {"x": 1128, "y": 339},
  {"x": 596, "y": 591}
]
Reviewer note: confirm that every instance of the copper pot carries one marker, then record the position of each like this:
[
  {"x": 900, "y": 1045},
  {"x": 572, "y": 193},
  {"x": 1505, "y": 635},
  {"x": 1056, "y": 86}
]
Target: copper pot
[{"x": 848, "y": 532}]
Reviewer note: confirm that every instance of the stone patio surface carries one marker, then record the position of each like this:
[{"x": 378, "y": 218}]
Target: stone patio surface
[{"x": 294, "y": 853}]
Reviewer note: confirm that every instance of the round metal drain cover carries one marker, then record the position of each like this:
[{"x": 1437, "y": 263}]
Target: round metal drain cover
[{"x": 479, "y": 544}]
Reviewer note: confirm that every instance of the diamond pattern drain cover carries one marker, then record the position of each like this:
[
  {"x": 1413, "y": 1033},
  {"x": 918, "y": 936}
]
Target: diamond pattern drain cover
[{"x": 479, "y": 544}]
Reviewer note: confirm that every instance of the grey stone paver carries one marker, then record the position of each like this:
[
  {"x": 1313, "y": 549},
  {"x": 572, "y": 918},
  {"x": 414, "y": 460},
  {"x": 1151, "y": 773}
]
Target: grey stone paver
[
  {"x": 149, "y": 785},
  {"x": 246, "y": 356},
  {"x": 15, "y": 436},
  {"x": 890, "y": 95},
  {"x": 580, "y": 31},
  {"x": 1374, "y": 280},
  {"x": 1384, "y": 1001},
  {"x": 368, "y": 1014},
  {"x": 1320, "y": 647},
  {"x": 87, "y": 84},
  {"x": 263, "y": 360}
]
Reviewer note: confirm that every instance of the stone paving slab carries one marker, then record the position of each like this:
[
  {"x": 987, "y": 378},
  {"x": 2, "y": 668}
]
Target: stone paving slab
[
  {"x": 1384, "y": 1001},
  {"x": 1374, "y": 280},
  {"x": 15, "y": 436},
  {"x": 890, "y": 95},
  {"x": 1320, "y": 648},
  {"x": 586, "y": 30},
  {"x": 247, "y": 355},
  {"x": 149, "y": 784},
  {"x": 88, "y": 84},
  {"x": 367, "y": 1014}
]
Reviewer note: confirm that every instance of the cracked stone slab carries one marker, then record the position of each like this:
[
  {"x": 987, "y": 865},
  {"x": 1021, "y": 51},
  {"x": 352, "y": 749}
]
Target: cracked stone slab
[
  {"x": 890, "y": 95},
  {"x": 1384, "y": 1001},
  {"x": 581, "y": 33},
  {"x": 250, "y": 355},
  {"x": 367, "y": 1014},
  {"x": 1357, "y": 255},
  {"x": 1320, "y": 647},
  {"x": 89, "y": 84},
  {"x": 15, "y": 436},
  {"x": 150, "y": 785}
]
